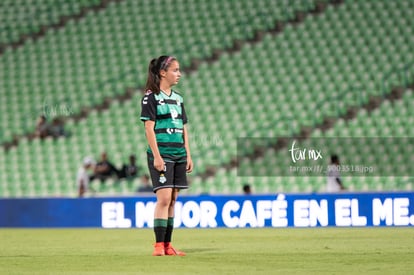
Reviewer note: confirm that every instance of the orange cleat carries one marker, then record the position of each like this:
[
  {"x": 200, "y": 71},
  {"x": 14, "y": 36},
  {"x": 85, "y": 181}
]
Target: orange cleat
[
  {"x": 171, "y": 251},
  {"x": 158, "y": 249}
]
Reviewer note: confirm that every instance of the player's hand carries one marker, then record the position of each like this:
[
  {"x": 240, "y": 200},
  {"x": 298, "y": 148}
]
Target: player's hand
[
  {"x": 159, "y": 164},
  {"x": 189, "y": 165}
]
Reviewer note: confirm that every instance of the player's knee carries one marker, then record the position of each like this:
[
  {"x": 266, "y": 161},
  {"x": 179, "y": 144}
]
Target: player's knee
[{"x": 163, "y": 202}]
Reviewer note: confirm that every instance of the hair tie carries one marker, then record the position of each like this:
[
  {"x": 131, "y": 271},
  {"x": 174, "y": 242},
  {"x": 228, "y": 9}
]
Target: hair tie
[{"x": 166, "y": 62}]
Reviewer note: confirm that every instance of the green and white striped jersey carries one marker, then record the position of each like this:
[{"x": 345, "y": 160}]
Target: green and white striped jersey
[{"x": 169, "y": 115}]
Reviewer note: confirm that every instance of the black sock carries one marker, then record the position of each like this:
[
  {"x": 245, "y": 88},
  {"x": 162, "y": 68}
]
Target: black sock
[
  {"x": 160, "y": 228},
  {"x": 170, "y": 227}
]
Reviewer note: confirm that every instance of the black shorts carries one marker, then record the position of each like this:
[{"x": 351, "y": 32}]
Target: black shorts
[{"x": 173, "y": 176}]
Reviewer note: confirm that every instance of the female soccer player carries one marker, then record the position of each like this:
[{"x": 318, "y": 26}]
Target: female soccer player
[{"x": 169, "y": 157}]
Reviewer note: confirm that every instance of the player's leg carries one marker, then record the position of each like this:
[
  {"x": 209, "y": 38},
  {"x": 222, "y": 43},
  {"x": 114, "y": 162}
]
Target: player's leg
[
  {"x": 163, "y": 188},
  {"x": 170, "y": 222},
  {"x": 169, "y": 249},
  {"x": 180, "y": 181},
  {"x": 161, "y": 219}
]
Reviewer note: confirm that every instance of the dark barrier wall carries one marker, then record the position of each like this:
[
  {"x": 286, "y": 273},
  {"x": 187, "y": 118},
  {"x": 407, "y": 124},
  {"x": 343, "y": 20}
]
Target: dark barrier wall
[{"x": 280, "y": 210}]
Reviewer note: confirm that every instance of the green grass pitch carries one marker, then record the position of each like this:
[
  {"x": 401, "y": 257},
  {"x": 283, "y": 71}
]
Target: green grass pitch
[{"x": 209, "y": 251}]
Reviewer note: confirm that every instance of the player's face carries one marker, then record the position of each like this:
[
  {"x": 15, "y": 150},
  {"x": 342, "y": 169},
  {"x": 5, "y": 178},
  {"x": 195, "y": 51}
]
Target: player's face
[{"x": 172, "y": 74}]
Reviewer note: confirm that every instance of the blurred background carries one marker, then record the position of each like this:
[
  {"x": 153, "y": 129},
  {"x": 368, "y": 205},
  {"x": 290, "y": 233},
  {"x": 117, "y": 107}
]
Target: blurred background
[{"x": 72, "y": 75}]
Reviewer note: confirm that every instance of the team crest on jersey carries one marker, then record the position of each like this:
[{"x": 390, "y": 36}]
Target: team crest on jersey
[
  {"x": 178, "y": 101},
  {"x": 162, "y": 179}
]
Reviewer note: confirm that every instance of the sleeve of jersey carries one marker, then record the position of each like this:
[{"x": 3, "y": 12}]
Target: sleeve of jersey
[
  {"x": 148, "y": 108},
  {"x": 184, "y": 114}
]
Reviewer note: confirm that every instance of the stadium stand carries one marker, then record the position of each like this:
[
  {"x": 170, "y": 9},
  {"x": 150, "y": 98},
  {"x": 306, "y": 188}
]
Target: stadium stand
[
  {"x": 391, "y": 119},
  {"x": 341, "y": 58},
  {"x": 21, "y": 19},
  {"x": 99, "y": 56},
  {"x": 19, "y": 78},
  {"x": 345, "y": 77}
]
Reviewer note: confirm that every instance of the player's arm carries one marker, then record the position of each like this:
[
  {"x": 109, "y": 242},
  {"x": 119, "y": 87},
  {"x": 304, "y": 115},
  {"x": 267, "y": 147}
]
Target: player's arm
[
  {"x": 81, "y": 188},
  {"x": 148, "y": 115},
  {"x": 152, "y": 142},
  {"x": 186, "y": 141},
  {"x": 339, "y": 181},
  {"x": 187, "y": 149}
]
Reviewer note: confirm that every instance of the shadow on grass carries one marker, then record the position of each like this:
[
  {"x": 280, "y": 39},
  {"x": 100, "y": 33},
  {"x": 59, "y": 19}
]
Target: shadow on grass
[{"x": 199, "y": 250}]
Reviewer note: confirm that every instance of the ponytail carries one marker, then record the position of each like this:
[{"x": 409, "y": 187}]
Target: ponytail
[{"x": 154, "y": 78}]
